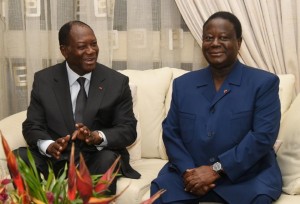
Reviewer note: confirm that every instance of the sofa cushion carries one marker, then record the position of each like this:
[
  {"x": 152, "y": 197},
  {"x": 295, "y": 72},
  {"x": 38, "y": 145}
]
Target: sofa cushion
[
  {"x": 139, "y": 187},
  {"x": 175, "y": 73},
  {"x": 288, "y": 199},
  {"x": 3, "y": 169},
  {"x": 11, "y": 128},
  {"x": 289, "y": 152},
  {"x": 135, "y": 149},
  {"x": 286, "y": 90},
  {"x": 152, "y": 88}
]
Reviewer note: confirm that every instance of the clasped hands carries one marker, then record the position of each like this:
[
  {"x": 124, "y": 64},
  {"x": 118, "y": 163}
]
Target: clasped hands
[
  {"x": 199, "y": 181},
  {"x": 82, "y": 132}
]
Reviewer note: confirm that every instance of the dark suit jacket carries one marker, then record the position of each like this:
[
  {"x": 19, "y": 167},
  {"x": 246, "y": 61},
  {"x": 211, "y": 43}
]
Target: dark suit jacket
[
  {"x": 237, "y": 125},
  {"x": 109, "y": 109}
]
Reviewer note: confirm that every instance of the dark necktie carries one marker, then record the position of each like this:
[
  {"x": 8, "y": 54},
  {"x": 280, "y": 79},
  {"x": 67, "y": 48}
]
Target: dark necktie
[{"x": 80, "y": 101}]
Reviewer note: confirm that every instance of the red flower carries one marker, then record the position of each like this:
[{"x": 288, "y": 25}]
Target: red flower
[
  {"x": 50, "y": 197},
  {"x": 107, "y": 200},
  {"x": 84, "y": 181},
  {"x": 3, "y": 192},
  {"x": 72, "y": 176},
  {"x": 108, "y": 177},
  {"x": 4, "y": 182},
  {"x": 13, "y": 167},
  {"x": 154, "y": 197}
]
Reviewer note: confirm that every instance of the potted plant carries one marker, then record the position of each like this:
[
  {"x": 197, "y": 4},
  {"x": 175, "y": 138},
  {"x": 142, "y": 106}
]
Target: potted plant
[{"x": 80, "y": 187}]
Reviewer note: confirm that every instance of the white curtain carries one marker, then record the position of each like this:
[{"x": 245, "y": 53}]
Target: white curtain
[
  {"x": 271, "y": 30},
  {"x": 133, "y": 34}
]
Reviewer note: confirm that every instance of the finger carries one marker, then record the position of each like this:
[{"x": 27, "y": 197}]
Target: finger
[
  {"x": 60, "y": 141},
  {"x": 67, "y": 138},
  {"x": 83, "y": 130},
  {"x": 64, "y": 140},
  {"x": 191, "y": 180},
  {"x": 189, "y": 187},
  {"x": 79, "y": 125},
  {"x": 200, "y": 191},
  {"x": 206, "y": 189},
  {"x": 56, "y": 147},
  {"x": 74, "y": 135},
  {"x": 195, "y": 188},
  {"x": 54, "y": 152},
  {"x": 211, "y": 186},
  {"x": 90, "y": 138},
  {"x": 87, "y": 132}
]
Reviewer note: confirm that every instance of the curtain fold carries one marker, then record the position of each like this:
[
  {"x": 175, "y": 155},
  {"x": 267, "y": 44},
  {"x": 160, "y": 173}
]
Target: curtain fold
[{"x": 270, "y": 30}]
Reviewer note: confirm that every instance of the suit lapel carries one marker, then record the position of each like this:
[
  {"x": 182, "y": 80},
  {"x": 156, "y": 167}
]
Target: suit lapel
[
  {"x": 234, "y": 78},
  {"x": 205, "y": 82},
  {"x": 224, "y": 90},
  {"x": 61, "y": 89},
  {"x": 95, "y": 96}
]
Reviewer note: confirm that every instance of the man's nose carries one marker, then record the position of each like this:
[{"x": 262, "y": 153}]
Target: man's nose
[
  {"x": 90, "y": 49},
  {"x": 216, "y": 41}
]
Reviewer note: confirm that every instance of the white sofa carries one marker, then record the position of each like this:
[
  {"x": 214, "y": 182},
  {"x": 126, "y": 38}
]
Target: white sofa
[{"x": 151, "y": 90}]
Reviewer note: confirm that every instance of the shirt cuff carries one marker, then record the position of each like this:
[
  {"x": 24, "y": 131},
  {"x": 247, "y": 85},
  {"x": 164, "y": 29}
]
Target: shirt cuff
[
  {"x": 43, "y": 145},
  {"x": 104, "y": 143}
]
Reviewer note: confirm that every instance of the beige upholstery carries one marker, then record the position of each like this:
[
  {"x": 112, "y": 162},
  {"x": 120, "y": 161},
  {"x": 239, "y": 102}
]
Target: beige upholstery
[
  {"x": 11, "y": 128},
  {"x": 289, "y": 152},
  {"x": 151, "y": 91}
]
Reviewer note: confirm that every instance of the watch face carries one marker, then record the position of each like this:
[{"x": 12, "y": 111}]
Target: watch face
[{"x": 217, "y": 166}]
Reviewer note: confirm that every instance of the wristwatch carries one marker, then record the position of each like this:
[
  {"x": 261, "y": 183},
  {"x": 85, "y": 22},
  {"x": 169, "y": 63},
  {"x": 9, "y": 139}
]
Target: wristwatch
[
  {"x": 217, "y": 167},
  {"x": 101, "y": 136}
]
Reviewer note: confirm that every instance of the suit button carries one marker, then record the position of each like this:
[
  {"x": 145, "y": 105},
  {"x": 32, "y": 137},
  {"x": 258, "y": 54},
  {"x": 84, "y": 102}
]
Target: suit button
[
  {"x": 213, "y": 110},
  {"x": 212, "y": 160},
  {"x": 211, "y": 134}
]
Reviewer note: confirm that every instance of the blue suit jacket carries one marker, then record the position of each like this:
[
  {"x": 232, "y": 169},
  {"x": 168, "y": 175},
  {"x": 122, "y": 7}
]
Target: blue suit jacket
[{"x": 237, "y": 125}]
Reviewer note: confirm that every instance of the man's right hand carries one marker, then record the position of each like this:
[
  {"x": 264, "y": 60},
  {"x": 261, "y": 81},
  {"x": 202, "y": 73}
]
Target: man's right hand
[
  {"x": 56, "y": 148},
  {"x": 200, "y": 180}
]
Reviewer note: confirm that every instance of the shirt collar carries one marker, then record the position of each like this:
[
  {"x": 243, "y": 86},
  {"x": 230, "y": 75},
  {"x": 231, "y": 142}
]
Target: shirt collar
[{"x": 74, "y": 76}]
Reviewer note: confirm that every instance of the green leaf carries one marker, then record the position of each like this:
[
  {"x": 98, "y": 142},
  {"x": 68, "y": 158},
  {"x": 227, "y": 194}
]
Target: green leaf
[{"x": 34, "y": 187}]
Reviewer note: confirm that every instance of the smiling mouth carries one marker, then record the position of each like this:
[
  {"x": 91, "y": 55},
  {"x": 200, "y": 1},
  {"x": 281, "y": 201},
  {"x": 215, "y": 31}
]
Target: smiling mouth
[
  {"x": 90, "y": 60},
  {"x": 216, "y": 54}
]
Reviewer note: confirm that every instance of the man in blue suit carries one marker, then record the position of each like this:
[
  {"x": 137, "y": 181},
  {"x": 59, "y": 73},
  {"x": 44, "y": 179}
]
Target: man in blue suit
[{"x": 221, "y": 127}]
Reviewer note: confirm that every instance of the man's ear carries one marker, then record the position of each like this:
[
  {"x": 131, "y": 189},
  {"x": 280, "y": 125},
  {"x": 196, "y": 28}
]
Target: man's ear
[{"x": 64, "y": 50}]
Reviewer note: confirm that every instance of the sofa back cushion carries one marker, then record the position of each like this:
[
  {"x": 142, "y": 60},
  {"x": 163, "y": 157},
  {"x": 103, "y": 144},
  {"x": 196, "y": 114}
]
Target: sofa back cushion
[
  {"x": 286, "y": 90},
  {"x": 11, "y": 128},
  {"x": 135, "y": 148},
  {"x": 288, "y": 155},
  {"x": 152, "y": 88},
  {"x": 175, "y": 73}
]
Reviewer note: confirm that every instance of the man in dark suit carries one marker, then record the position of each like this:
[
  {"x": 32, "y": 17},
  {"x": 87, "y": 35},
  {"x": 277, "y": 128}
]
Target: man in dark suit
[
  {"x": 105, "y": 126},
  {"x": 221, "y": 127}
]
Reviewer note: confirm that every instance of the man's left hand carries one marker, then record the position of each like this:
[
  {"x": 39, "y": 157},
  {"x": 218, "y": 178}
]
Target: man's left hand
[
  {"x": 83, "y": 133},
  {"x": 200, "y": 180}
]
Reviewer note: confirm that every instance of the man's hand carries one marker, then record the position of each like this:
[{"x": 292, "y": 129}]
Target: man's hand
[
  {"x": 200, "y": 181},
  {"x": 83, "y": 133},
  {"x": 56, "y": 148}
]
